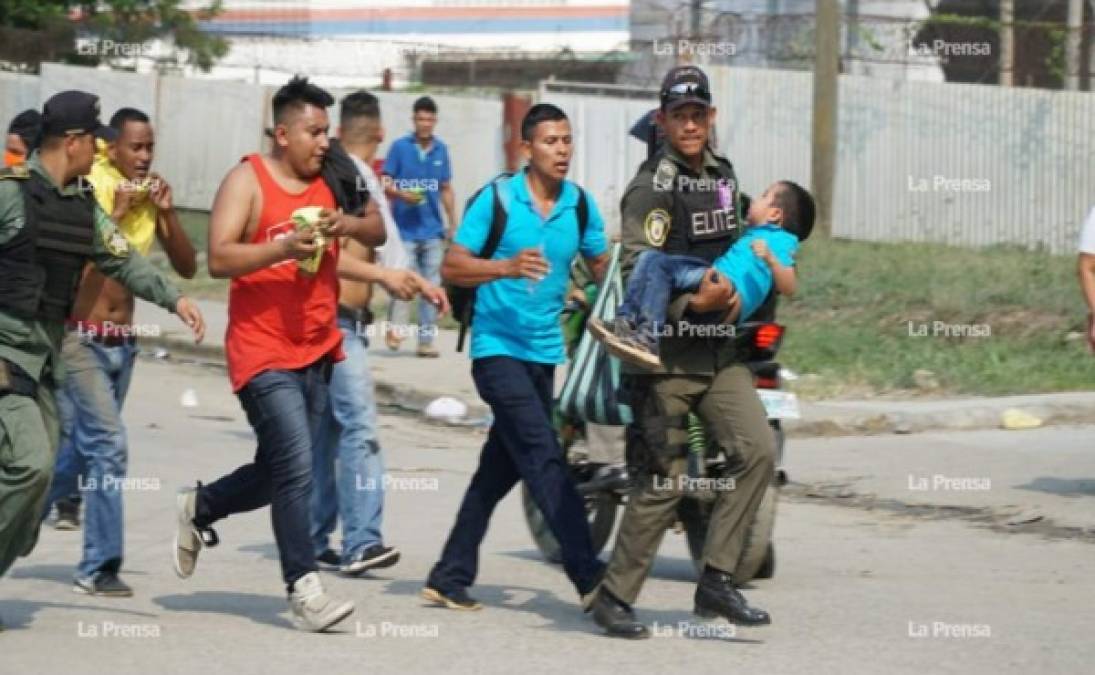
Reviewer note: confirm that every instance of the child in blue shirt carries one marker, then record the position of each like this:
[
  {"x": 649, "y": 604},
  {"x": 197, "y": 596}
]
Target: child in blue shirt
[{"x": 761, "y": 258}]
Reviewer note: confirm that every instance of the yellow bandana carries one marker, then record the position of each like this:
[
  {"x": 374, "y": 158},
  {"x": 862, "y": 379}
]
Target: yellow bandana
[{"x": 139, "y": 223}]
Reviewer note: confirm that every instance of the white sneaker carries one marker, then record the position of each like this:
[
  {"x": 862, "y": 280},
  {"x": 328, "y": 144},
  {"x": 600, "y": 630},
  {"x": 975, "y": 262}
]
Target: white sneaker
[
  {"x": 313, "y": 609},
  {"x": 188, "y": 539}
]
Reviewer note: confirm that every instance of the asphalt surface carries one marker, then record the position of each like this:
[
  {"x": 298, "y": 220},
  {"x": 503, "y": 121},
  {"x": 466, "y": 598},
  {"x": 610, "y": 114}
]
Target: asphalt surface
[{"x": 874, "y": 574}]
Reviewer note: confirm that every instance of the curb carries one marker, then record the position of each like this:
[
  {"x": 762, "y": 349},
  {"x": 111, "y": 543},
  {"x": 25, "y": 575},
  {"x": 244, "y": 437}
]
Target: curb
[
  {"x": 413, "y": 399},
  {"x": 399, "y": 395}
]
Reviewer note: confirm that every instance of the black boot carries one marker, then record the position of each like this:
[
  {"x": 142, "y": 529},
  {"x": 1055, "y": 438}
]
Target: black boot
[
  {"x": 616, "y": 617},
  {"x": 716, "y": 596}
]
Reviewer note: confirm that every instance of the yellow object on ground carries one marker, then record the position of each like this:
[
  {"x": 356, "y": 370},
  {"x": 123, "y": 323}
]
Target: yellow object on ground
[{"x": 1013, "y": 418}]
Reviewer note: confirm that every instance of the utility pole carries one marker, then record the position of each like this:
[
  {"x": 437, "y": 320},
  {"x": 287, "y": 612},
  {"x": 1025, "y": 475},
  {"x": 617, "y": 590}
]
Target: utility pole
[
  {"x": 1007, "y": 43},
  {"x": 1072, "y": 44},
  {"x": 826, "y": 71}
]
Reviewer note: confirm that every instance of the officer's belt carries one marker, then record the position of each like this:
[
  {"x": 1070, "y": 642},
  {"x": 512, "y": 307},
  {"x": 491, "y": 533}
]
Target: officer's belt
[{"x": 15, "y": 380}]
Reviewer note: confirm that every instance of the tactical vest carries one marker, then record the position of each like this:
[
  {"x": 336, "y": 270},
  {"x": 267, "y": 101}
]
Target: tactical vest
[
  {"x": 705, "y": 220},
  {"x": 41, "y": 265}
]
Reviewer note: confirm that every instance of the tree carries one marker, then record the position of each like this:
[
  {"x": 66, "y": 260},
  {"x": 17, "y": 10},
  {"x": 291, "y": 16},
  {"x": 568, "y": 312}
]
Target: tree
[{"x": 104, "y": 31}]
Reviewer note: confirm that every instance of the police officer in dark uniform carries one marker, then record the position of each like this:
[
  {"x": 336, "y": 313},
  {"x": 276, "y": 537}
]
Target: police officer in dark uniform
[
  {"x": 50, "y": 228},
  {"x": 685, "y": 200}
]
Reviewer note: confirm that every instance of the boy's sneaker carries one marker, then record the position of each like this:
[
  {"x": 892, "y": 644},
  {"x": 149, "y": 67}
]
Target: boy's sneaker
[
  {"x": 314, "y": 610},
  {"x": 622, "y": 341},
  {"x": 68, "y": 515},
  {"x": 374, "y": 557},
  {"x": 329, "y": 560},
  {"x": 189, "y": 538},
  {"x": 102, "y": 583},
  {"x": 458, "y": 599}
]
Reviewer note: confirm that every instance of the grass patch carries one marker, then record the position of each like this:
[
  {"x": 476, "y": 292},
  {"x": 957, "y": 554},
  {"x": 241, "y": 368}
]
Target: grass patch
[
  {"x": 997, "y": 320},
  {"x": 196, "y": 225},
  {"x": 849, "y": 327}
]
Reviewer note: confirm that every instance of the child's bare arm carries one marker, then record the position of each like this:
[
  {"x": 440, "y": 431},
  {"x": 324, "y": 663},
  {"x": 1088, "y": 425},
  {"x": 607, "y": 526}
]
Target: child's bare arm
[{"x": 783, "y": 276}]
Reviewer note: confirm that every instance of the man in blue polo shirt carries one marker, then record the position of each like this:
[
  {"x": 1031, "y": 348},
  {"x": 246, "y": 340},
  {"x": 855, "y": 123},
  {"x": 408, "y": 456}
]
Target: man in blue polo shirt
[
  {"x": 420, "y": 185},
  {"x": 516, "y": 343}
]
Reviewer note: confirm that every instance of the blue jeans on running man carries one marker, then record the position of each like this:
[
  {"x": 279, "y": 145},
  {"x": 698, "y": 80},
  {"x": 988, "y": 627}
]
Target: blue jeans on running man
[
  {"x": 348, "y": 470},
  {"x": 93, "y": 453},
  {"x": 425, "y": 259}
]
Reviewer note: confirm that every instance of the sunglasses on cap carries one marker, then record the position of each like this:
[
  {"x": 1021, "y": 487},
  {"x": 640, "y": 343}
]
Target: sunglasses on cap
[{"x": 686, "y": 89}]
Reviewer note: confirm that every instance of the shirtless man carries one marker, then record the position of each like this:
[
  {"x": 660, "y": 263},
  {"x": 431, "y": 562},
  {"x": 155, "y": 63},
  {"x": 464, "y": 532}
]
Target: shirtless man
[
  {"x": 282, "y": 341},
  {"x": 100, "y": 350},
  {"x": 348, "y": 438}
]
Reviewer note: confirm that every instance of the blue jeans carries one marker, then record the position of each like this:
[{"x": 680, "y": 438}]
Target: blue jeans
[
  {"x": 425, "y": 258},
  {"x": 655, "y": 277},
  {"x": 93, "y": 454},
  {"x": 347, "y": 467},
  {"x": 284, "y": 408},
  {"x": 521, "y": 445}
]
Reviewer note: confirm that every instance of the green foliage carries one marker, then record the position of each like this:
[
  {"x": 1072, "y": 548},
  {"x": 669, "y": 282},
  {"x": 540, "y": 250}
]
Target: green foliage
[{"x": 122, "y": 22}]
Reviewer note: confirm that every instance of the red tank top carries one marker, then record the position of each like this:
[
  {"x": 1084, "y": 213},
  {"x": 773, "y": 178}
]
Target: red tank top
[{"x": 278, "y": 317}]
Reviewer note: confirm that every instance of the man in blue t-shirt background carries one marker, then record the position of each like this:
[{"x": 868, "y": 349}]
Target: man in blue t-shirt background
[{"x": 419, "y": 185}]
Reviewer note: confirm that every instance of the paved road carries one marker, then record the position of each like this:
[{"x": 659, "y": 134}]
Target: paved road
[{"x": 863, "y": 585}]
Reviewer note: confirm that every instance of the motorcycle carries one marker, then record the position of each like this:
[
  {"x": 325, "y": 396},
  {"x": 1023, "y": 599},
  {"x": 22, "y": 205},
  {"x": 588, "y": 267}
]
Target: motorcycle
[{"x": 605, "y": 485}]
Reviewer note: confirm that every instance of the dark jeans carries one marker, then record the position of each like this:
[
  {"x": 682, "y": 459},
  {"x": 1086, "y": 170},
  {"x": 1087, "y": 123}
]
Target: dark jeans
[
  {"x": 521, "y": 446},
  {"x": 655, "y": 277},
  {"x": 284, "y": 407}
]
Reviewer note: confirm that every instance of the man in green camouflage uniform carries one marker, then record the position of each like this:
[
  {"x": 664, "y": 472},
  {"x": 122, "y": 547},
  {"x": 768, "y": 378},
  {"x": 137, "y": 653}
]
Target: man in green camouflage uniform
[
  {"x": 50, "y": 228},
  {"x": 685, "y": 200}
]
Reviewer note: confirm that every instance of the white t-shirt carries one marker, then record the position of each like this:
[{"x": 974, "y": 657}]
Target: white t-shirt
[
  {"x": 1087, "y": 234},
  {"x": 392, "y": 254}
]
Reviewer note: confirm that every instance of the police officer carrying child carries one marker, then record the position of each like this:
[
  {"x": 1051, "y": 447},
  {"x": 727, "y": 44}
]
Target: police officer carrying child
[
  {"x": 685, "y": 200},
  {"x": 50, "y": 227}
]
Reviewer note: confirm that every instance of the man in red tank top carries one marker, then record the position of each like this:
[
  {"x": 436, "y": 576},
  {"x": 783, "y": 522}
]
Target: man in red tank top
[{"x": 281, "y": 343}]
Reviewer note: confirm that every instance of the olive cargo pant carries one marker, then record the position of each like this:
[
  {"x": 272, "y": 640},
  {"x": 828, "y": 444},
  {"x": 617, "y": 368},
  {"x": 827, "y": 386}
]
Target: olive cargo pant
[
  {"x": 731, "y": 410},
  {"x": 29, "y": 433}
]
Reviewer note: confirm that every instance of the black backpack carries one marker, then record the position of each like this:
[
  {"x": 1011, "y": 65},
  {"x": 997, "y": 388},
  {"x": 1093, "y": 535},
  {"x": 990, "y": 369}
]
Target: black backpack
[{"x": 462, "y": 298}]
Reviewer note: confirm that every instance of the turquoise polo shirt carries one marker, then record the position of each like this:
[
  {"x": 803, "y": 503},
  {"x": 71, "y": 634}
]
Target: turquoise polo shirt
[
  {"x": 751, "y": 276},
  {"x": 519, "y": 318}
]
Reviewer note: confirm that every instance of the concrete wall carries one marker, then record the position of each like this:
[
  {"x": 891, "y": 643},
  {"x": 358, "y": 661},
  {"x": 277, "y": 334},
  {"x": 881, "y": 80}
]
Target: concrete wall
[{"x": 205, "y": 126}]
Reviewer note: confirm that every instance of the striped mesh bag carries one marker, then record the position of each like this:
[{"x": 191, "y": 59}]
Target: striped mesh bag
[{"x": 591, "y": 389}]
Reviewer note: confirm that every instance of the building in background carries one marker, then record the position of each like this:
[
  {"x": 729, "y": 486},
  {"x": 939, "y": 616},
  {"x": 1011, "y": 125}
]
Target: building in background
[{"x": 355, "y": 41}]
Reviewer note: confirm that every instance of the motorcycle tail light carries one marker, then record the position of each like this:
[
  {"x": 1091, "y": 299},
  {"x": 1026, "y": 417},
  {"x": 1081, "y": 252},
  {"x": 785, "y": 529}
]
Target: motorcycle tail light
[
  {"x": 766, "y": 383},
  {"x": 768, "y": 335}
]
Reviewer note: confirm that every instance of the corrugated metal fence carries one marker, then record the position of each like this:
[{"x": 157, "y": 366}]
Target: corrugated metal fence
[{"x": 959, "y": 164}]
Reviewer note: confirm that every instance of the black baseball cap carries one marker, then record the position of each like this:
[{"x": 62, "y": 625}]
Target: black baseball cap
[
  {"x": 683, "y": 85},
  {"x": 74, "y": 112},
  {"x": 25, "y": 125}
]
